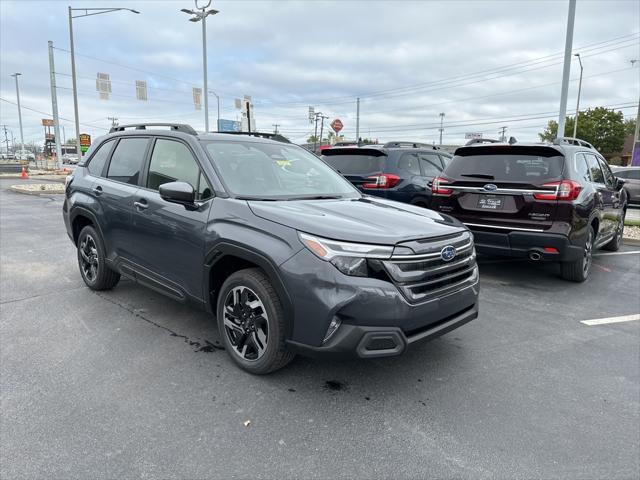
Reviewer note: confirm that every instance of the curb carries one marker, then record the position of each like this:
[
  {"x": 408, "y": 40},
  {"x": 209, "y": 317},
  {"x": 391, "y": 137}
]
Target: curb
[
  {"x": 631, "y": 241},
  {"x": 34, "y": 192}
]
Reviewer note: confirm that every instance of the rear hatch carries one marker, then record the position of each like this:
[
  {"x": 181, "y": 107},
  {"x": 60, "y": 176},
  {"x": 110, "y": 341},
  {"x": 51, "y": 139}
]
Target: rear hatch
[
  {"x": 507, "y": 187},
  {"x": 358, "y": 165}
]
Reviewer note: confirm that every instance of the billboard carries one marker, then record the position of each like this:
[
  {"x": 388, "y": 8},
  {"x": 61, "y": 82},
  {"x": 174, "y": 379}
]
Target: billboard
[
  {"x": 85, "y": 142},
  {"x": 228, "y": 125}
]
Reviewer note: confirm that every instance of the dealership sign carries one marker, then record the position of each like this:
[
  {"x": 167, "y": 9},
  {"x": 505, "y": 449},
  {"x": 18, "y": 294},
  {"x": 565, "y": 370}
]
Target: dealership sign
[
  {"x": 337, "y": 125},
  {"x": 473, "y": 136},
  {"x": 85, "y": 142}
]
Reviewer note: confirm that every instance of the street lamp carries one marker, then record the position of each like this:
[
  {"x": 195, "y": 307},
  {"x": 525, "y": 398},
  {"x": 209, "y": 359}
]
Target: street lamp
[
  {"x": 218, "y": 100},
  {"x": 441, "y": 126},
  {"x": 88, "y": 12},
  {"x": 196, "y": 17},
  {"x": 16, "y": 75},
  {"x": 575, "y": 122}
]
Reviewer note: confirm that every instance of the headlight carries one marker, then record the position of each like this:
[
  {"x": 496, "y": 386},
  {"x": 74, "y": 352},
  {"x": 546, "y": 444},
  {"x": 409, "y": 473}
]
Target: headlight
[{"x": 349, "y": 258}]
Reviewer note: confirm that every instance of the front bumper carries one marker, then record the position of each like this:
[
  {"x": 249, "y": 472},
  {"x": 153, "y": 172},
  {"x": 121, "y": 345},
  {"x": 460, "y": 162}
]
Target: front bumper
[
  {"x": 376, "y": 319},
  {"x": 521, "y": 244}
]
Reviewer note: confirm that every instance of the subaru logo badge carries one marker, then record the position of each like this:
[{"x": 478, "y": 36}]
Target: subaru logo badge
[
  {"x": 448, "y": 253},
  {"x": 490, "y": 187}
]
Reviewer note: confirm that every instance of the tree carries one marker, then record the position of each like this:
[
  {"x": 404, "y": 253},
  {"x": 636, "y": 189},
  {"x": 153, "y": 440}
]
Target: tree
[
  {"x": 312, "y": 139},
  {"x": 603, "y": 128},
  {"x": 630, "y": 126},
  {"x": 70, "y": 141}
]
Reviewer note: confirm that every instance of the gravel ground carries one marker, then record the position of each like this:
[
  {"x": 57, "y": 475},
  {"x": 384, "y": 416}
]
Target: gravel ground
[{"x": 632, "y": 232}]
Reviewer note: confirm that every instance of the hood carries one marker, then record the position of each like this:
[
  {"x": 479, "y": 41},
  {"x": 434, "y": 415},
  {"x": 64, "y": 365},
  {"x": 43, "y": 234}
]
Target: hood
[{"x": 364, "y": 220}]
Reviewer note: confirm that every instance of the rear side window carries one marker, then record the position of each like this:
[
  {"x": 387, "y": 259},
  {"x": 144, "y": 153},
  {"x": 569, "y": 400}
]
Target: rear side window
[
  {"x": 430, "y": 165},
  {"x": 98, "y": 159},
  {"x": 127, "y": 159},
  {"x": 594, "y": 168},
  {"x": 355, "y": 163},
  {"x": 630, "y": 174},
  {"x": 408, "y": 162},
  {"x": 582, "y": 169},
  {"x": 608, "y": 176},
  {"x": 446, "y": 159},
  {"x": 506, "y": 167}
]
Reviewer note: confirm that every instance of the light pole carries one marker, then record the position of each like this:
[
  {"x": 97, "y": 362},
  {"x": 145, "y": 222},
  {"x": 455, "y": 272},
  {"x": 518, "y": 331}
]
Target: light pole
[
  {"x": 16, "y": 75},
  {"x": 218, "y": 100},
  {"x": 575, "y": 122},
  {"x": 197, "y": 16},
  {"x": 566, "y": 69},
  {"x": 87, "y": 13},
  {"x": 441, "y": 126}
]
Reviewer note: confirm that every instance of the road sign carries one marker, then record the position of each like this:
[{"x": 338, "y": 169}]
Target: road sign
[
  {"x": 47, "y": 122},
  {"x": 228, "y": 125},
  {"x": 85, "y": 142},
  {"x": 141, "y": 90},
  {"x": 337, "y": 125},
  {"x": 473, "y": 135}
]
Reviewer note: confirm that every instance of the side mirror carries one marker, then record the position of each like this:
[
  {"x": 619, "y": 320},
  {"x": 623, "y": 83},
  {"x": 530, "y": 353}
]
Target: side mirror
[
  {"x": 178, "y": 192},
  {"x": 619, "y": 183}
]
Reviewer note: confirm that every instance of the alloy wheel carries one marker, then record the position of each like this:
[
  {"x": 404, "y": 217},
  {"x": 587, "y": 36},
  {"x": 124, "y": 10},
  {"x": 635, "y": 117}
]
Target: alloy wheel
[
  {"x": 588, "y": 252},
  {"x": 89, "y": 258},
  {"x": 246, "y": 323}
]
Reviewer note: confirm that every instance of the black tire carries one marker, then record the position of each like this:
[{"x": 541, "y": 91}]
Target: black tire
[
  {"x": 615, "y": 244},
  {"x": 578, "y": 270},
  {"x": 91, "y": 260},
  {"x": 242, "y": 341}
]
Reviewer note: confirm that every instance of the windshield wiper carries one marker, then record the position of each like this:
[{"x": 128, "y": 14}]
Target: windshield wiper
[
  {"x": 478, "y": 175},
  {"x": 254, "y": 197},
  {"x": 315, "y": 197}
]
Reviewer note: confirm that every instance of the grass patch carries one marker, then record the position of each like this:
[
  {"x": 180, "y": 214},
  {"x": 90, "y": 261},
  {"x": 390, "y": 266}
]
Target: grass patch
[{"x": 631, "y": 223}]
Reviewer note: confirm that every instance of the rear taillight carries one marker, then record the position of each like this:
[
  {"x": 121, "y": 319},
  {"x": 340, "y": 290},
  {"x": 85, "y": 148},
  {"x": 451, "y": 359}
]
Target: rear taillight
[
  {"x": 438, "y": 186},
  {"x": 565, "y": 190},
  {"x": 384, "y": 180}
]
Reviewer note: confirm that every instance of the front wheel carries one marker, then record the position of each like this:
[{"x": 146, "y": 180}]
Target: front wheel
[
  {"x": 615, "y": 243},
  {"x": 578, "y": 270},
  {"x": 251, "y": 322}
]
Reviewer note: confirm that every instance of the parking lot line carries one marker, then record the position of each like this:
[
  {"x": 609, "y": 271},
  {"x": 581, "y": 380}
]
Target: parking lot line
[
  {"x": 616, "y": 253},
  {"x": 604, "y": 321}
]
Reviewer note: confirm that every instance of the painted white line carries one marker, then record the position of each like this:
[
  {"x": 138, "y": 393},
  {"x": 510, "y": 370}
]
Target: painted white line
[
  {"x": 632, "y": 252},
  {"x": 604, "y": 321}
]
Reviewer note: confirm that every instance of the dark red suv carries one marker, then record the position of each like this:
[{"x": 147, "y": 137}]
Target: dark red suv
[{"x": 554, "y": 202}]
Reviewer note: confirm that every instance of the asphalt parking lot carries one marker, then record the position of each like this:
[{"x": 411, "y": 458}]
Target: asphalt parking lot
[{"x": 129, "y": 384}]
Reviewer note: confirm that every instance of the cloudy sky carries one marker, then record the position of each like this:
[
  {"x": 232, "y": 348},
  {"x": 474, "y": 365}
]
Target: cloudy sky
[{"x": 485, "y": 64}]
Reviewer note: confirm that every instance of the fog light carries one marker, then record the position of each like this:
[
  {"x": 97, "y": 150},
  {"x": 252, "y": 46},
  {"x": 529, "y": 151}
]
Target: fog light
[{"x": 333, "y": 327}]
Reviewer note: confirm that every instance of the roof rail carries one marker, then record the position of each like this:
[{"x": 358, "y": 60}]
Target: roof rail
[
  {"x": 410, "y": 145},
  {"x": 271, "y": 136},
  {"x": 176, "y": 127},
  {"x": 473, "y": 141},
  {"x": 571, "y": 141}
]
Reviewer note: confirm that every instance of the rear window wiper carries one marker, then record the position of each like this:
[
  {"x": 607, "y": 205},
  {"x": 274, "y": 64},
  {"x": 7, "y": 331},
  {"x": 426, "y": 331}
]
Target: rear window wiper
[{"x": 478, "y": 175}]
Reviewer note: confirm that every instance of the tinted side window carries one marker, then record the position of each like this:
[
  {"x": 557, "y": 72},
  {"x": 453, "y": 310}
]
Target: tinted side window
[
  {"x": 596, "y": 173},
  {"x": 99, "y": 158},
  {"x": 172, "y": 161},
  {"x": 127, "y": 159},
  {"x": 445, "y": 159},
  {"x": 409, "y": 163},
  {"x": 582, "y": 169},
  {"x": 429, "y": 164},
  {"x": 633, "y": 174},
  {"x": 608, "y": 176}
]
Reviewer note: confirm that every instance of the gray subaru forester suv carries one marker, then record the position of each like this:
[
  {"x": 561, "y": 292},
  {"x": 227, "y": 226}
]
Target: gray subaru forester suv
[{"x": 286, "y": 253}]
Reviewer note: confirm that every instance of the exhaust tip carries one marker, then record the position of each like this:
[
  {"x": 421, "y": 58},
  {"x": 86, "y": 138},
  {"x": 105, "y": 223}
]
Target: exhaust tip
[{"x": 535, "y": 256}]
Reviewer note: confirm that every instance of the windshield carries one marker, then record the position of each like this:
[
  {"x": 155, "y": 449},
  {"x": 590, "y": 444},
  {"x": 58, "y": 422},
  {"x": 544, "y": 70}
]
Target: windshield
[
  {"x": 274, "y": 171},
  {"x": 505, "y": 168}
]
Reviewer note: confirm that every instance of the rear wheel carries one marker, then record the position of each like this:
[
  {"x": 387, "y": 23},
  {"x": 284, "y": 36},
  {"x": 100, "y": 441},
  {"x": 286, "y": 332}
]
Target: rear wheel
[
  {"x": 251, "y": 322},
  {"x": 578, "y": 270},
  {"x": 616, "y": 242},
  {"x": 91, "y": 260}
]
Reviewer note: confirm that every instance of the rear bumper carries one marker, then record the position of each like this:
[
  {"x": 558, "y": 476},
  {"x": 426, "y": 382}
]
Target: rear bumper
[{"x": 522, "y": 244}]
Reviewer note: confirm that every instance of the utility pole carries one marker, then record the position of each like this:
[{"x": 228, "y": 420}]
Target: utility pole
[
  {"x": 503, "y": 135},
  {"x": 315, "y": 130},
  {"x": 54, "y": 106},
  {"x": 6, "y": 139},
  {"x": 114, "y": 121},
  {"x": 358, "y": 120},
  {"x": 441, "y": 126},
  {"x": 575, "y": 121},
  {"x": 275, "y": 128},
  {"x": 16, "y": 75},
  {"x": 322, "y": 119},
  {"x": 566, "y": 71},
  {"x": 218, "y": 100}
]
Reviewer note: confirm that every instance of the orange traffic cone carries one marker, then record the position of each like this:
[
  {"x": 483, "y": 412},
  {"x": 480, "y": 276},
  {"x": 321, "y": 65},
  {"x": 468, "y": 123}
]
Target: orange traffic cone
[{"x": 24, "y": 175}]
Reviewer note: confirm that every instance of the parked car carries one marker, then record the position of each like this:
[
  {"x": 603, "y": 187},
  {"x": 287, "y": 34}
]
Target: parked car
[
  {"x": 69, "y": 158},
  {"x": 24, "y": 155},
  {"x": 631, "y": 177},
  {"x": 400, "y": 171},
  {"x": 288, "y": 255},
  {"x": 547, "y": 202}
]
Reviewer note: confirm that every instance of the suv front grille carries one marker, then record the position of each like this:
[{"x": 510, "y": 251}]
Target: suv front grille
[{"x": 427, "y": 275}]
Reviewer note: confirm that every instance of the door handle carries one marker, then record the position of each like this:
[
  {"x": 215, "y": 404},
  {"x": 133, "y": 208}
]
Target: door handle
[
  {"x": 142, "y": 205},
  {"x": 97, "y": 190}
]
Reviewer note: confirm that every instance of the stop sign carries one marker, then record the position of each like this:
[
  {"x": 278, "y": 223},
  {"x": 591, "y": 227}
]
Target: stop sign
[{"x": 337, "y": 125}]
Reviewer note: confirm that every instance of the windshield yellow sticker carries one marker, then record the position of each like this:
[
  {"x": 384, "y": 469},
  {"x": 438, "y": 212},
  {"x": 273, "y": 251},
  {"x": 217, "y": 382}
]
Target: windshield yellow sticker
[{"x": 283, "y": 163}]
